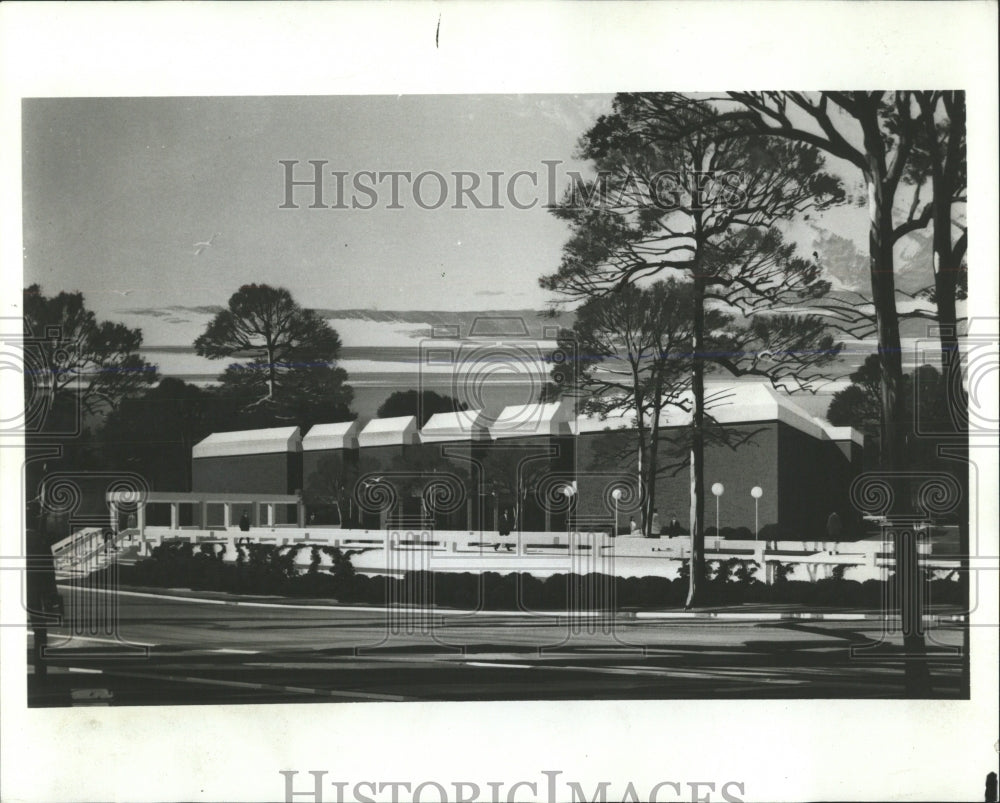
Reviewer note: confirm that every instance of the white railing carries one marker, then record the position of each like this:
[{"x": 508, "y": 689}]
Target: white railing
[{"x": 381, "y": 551}]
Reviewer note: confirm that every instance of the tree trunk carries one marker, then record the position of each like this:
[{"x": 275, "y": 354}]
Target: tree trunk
[
  {"x": 955, "y": 418},
  {"x": 894, "y": 423},
  {"x": 270, "y": 373},
  {"x": 887, "y": 325},
  {"x": 697, "y": 518},
  {"x": 654, "y": 435}
]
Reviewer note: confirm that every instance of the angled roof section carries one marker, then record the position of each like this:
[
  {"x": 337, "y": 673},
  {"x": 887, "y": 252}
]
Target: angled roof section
[
  {"x": 343, "y": 435},
  {"x": 400, "y": 431},
  {"x": 732, "y": 403},
  {"x": 532, "y": 420},
  {"x": 594, "y": 423},
  {"x": 841, "y": 433},
  {"x": 462, "y": 425},
  {"x": 278, "y": 440}
]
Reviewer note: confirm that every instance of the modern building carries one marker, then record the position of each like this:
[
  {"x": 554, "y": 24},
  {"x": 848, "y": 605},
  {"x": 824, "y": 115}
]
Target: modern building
[
  {"x": 756, "y": 437},
  {"x": 452, "y": 451},
  {"x": 385, "y": 446},
  {"x": 541, "y": 467},
  {"x": 530, "y": 465},
  {"x": 329, "y": 471},
  {"x": 266, "y": 461}
]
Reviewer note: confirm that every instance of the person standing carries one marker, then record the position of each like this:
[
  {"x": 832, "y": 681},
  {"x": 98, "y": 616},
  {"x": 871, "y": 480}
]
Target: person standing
[{"x": 244, "y": 528}]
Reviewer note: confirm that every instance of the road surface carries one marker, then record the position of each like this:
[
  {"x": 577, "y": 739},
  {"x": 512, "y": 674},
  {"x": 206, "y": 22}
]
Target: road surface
[{"x": 139, "y": 649}]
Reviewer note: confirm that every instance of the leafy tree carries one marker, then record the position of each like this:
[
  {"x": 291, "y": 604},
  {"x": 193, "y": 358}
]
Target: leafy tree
[
  {"x": 892, "y": 138},
  {"x": 940, "y": 155},
  {"x": 78, "y": 362},
  {"x": 651, "y": 210},
  {"x": 634, "y": 357},
  {"x": 291, "y": 372},
  {"x": 153, "y": 434},
  {"x": 925, "y": 399},
  {"x": 858, "y": 405},
  {"x": 420, "y": 404},
  {"x": 879, "y": 134}
]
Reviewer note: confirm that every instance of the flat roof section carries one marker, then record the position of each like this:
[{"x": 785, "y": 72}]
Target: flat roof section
[{"x": 277, "y": 440}]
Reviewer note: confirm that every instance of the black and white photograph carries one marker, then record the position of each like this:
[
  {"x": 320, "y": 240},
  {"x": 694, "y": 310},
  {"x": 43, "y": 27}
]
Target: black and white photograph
[{"x": 383, "y": 439}]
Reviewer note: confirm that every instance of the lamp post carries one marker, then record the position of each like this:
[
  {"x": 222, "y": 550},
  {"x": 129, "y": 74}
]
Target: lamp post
[
  {"x": 616, "y": 494},
  {"x": 756, "y": 492},
  {"x": 568, "y": 491},
  {"x": 718, "y": 489}
]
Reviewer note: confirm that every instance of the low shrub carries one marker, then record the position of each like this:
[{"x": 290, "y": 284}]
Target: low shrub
[{"x": 267, "y": 569}]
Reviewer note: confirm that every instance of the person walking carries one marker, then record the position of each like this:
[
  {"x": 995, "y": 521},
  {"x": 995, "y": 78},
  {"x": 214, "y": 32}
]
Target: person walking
[{"x": 244, "y": 528}]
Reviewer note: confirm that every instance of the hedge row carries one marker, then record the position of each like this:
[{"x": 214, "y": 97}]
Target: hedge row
[{"x": 265, "y": 569}]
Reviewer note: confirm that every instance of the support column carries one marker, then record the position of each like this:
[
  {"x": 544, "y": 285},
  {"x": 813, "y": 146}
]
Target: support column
[
  {"x": 226, "y": 517},
  {"x": 175, "y": 515}
]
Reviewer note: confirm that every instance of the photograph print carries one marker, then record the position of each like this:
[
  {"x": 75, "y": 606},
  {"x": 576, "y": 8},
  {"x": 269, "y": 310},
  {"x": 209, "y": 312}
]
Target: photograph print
[{"x": 482, "y": 397}]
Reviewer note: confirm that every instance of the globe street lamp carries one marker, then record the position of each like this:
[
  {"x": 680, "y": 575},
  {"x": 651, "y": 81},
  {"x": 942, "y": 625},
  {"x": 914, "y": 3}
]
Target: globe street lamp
[
  {"x": 616, "y": 494},
  {"x": 718, "y": 489},
  {"x": 756, "y": 492},
  {"x": 568, "y": 492}
]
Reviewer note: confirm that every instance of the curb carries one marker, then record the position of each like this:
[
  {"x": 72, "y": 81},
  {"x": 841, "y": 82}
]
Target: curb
[
  {"x": 791, "y": 616},
  {"x": 738, "y": 616}
]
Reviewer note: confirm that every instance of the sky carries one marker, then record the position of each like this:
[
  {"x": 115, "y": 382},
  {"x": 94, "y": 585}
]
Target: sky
[{"x": 117, "y": 192}]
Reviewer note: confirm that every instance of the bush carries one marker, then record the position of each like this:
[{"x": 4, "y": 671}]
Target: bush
[{"x": 266, "y": 569}]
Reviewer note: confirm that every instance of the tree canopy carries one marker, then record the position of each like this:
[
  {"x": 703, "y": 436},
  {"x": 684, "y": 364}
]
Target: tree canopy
[
  {"x": 153, "y": 434},
  {"x": 290, "y": 372},
  {"x": 420, "y": 404},
  {"x": 75, "y": 362},
  {"x": 682, "y": 188}
]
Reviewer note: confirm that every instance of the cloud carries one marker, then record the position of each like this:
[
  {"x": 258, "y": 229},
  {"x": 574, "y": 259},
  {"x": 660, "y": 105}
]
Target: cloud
[{"x": 172, "y": 311}]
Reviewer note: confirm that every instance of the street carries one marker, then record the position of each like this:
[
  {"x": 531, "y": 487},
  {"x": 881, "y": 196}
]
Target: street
[{"x": 168, "y": 649}]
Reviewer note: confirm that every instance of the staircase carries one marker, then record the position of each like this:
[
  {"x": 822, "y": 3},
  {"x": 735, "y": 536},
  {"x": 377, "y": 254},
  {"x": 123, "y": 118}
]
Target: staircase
[{"x": 85, "y": 551}]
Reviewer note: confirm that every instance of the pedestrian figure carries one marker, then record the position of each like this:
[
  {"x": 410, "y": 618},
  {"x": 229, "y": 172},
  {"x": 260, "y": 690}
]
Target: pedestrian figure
[
  {"x": 504, "y": 525},
  {"x": 675, "y": 527},
  {"x": 633, "y": 528},
  {"x": 245, "y": 528}
]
